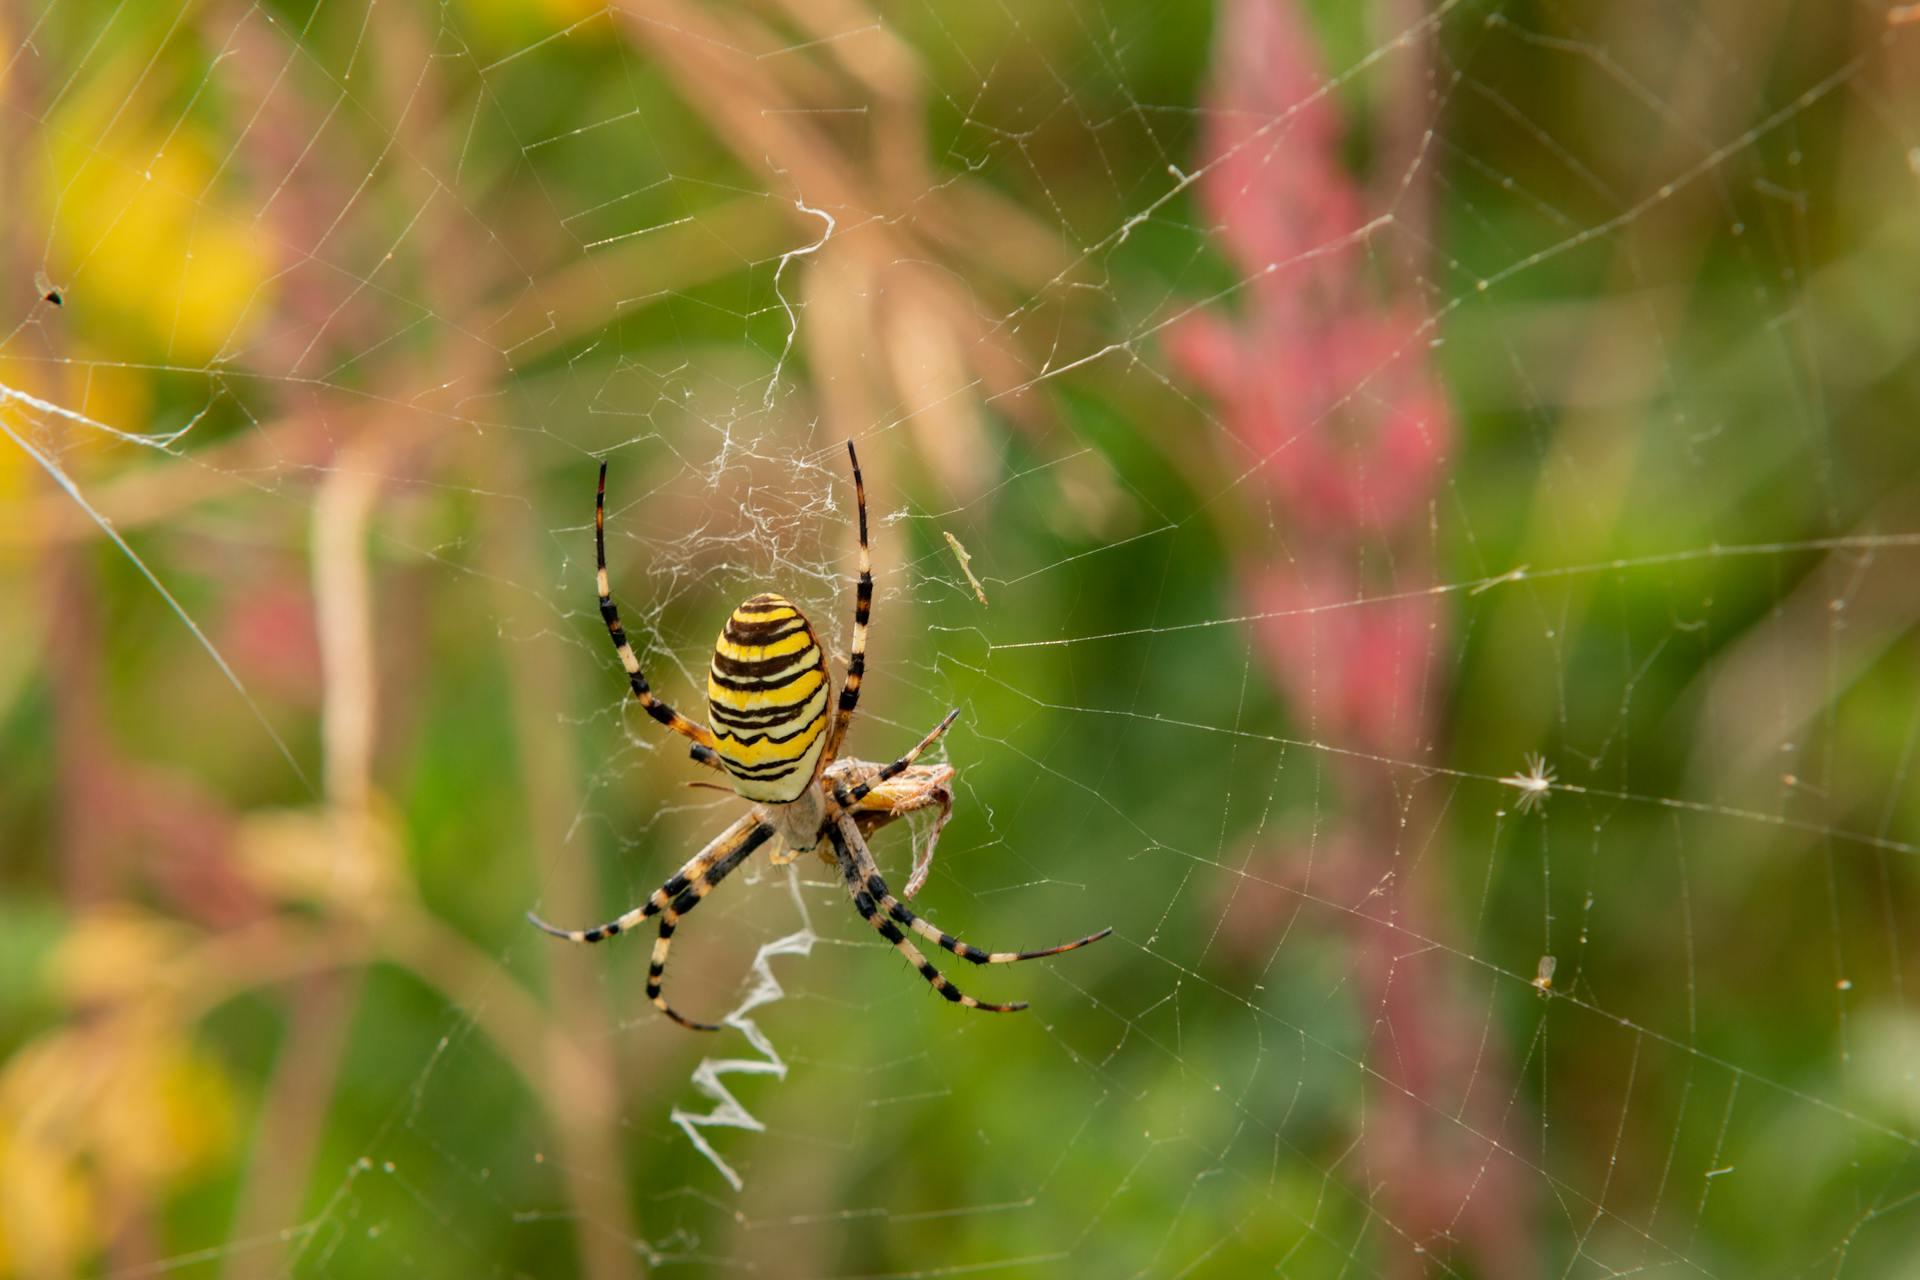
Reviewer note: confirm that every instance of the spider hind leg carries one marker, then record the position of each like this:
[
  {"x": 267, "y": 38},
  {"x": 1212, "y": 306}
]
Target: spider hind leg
[
  {"x": 679, "y": 895},
  {"x": 876, "y": 889},
  {"x": 844, "y": 836}
]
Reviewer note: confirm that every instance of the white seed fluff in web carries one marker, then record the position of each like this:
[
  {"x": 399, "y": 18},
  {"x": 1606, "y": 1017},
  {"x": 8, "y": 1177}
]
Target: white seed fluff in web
[{"x": 1533, "y": 783}]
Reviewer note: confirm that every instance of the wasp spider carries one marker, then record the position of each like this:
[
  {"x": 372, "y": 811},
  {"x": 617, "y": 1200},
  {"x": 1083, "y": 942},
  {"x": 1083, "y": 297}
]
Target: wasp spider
[{"x": 767, "y": 692}]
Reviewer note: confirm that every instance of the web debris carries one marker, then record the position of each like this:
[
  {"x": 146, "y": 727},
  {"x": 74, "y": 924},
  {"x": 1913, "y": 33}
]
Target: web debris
[
  {"x": 163, "y": 441},
  {"x": 965, "y": 558}
]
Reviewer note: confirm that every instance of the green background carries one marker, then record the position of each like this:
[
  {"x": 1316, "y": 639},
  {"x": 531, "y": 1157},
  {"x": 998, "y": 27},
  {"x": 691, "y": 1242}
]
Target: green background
[{"x": 403, "y": 273}]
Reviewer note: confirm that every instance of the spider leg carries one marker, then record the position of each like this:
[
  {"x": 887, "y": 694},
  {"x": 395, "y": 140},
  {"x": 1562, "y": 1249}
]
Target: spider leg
[
  {"x": 848, "y": 798},
  {"x": 877, "y": 890},
  {"x": 844, "y": 835},
  {"x": 744, "y": 836},
  {"x": 698, "y": 734},
  {"x": 688, "y": 899},
  {"x": 862, "y": 611}
]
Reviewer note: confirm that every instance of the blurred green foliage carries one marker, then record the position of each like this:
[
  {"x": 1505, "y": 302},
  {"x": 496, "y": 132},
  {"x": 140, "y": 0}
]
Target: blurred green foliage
[{"x": 406, "y": 274}]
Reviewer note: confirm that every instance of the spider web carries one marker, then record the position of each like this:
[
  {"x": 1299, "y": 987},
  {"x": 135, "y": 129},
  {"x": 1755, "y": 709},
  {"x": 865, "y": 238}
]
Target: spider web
[{"x": 1413, "y": 505}]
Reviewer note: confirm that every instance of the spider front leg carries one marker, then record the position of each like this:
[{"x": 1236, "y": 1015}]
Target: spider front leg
[
  {"x": 695, "y": 732},
  {"x": 862, "y": 613},
  {"x": 848, "y": 797}
]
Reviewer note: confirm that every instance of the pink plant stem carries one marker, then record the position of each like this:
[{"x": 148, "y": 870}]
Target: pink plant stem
[{"x": 1326, "y": 402}]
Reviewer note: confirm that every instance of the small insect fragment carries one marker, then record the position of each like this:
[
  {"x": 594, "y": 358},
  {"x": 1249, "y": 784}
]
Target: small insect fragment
[
  {"x": 1543, "y": 974},
  {"x": 966, "y": 566},
  {"x": 49, "y": 291}
]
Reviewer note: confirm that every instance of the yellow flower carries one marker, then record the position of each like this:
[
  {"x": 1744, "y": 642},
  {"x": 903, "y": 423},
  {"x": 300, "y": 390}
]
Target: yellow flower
[
  {"x": 146, "y": 229},
  {"x": 113, "y": 1108},
  {"x": 47, "y": 1212}
]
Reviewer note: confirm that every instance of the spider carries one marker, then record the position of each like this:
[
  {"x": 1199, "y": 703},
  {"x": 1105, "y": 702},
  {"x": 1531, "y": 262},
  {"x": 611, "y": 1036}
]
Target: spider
[{"x": 767, "y": 692}]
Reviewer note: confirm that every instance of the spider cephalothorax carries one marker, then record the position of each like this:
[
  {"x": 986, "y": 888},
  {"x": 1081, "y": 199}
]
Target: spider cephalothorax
[{"x": 767, "y": 693}]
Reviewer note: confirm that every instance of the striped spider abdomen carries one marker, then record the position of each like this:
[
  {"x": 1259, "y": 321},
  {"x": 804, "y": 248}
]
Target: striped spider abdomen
[{"x": 767, "y": 690}]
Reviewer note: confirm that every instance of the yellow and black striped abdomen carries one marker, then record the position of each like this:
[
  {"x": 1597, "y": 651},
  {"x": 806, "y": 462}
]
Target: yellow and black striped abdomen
[{"x": 767, "y": 694}]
